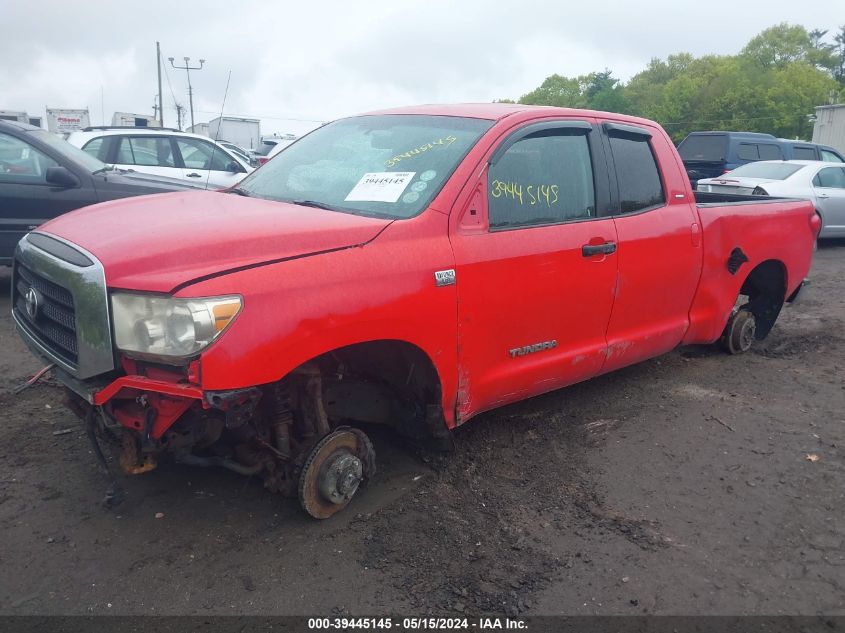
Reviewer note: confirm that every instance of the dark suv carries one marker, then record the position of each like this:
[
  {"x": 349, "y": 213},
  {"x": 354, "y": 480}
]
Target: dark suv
[
  {"x": 43, "y": 176},
  {"x": 711, "y": 154}
]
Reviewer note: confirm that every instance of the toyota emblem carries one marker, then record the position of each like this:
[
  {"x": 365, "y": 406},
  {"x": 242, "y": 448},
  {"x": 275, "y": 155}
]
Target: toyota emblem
[{"x": 31, "y": 299}]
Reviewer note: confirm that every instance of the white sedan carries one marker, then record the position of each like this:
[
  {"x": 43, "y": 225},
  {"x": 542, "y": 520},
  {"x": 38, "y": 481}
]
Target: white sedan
[{"x": 821, "y": 182}]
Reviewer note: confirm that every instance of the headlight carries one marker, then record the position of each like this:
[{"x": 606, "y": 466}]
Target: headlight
[
  {"x": 168, "y": 328},
  {"x": 703, "y": 188}
]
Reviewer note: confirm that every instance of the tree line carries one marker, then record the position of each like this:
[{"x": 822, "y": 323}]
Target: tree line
[{"x": 772, "y": 86}]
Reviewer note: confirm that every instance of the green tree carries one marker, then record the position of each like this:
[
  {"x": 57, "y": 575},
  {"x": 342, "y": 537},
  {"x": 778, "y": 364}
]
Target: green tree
[
  {"x": 557, "y": 90},
  {"x": 784, "y": 44},
  {"x": 839, "y": 55},
  {"x": 772, "y": 85}
]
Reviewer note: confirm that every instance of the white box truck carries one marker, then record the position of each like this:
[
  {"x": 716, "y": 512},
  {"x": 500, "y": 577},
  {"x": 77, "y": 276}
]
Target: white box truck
[
  {"x": 127, "y": 119},
  {"x": 65, "y": 120},
  {"x": 241, "y": 131}
]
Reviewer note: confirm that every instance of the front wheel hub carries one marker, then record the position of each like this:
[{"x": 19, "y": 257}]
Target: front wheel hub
[
  {"x": 339, "y": 478},
  {"x": 336, "y": 467}
]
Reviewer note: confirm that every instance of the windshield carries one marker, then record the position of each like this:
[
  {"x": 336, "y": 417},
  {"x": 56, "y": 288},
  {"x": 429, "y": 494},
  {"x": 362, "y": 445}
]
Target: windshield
[
  {"x": 265, "y": 148},
  {"x": 69, "y": 151},
  {"x": 770, "y": 171},
  {"x": 706, "y": 147},
  {"x": 386, "y": 166}
]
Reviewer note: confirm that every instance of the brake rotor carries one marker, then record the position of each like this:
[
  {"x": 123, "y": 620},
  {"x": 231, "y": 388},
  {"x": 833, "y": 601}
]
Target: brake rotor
[
  {"x": 335, "y": 468},
  {"x": 741, "y": 332}
]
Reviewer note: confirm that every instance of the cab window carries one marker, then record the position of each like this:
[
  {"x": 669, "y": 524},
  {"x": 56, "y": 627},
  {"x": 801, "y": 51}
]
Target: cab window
[
  {"x": 544, "y": 178},
  {"x": 769, "y": 151},
  {"x": 640, "y": 187},
  {"x": 803, "y": 153}
]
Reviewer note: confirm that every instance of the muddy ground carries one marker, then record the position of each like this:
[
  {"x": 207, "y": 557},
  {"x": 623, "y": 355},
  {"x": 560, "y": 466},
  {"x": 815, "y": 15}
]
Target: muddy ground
[{"x": 695, "y": 483}]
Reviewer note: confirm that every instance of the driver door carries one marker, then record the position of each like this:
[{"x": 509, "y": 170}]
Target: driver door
[{"x": 535, "y": 266}]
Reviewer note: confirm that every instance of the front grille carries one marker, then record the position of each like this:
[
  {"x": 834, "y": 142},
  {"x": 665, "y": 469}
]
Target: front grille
[{"x": 55, "y": 321}]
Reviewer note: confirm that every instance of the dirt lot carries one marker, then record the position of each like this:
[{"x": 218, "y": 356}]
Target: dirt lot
[{"x": 694, "y": 483}]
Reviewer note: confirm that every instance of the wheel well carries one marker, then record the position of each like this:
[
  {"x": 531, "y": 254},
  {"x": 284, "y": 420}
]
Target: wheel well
[
  {"x": 765, "y": 288},
  {"x": 387, "y": 382}
]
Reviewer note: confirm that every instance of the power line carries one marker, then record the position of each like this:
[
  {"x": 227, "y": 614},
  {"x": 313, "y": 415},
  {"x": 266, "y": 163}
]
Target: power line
[
  {"x": 188, "y": 68},
  {"x": 263, "y": 116},
  {"x": 176, "y": 105},
  {"x": 759, "y": 118}
]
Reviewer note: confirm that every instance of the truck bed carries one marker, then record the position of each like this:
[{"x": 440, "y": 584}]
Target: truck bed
[{"x": 704, "y": 199}]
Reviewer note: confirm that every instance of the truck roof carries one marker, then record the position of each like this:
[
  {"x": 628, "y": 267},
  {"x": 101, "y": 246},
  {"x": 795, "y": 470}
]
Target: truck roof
[
  {"x": 751, "y": 135},
  {"x": 496, "y": 111}
]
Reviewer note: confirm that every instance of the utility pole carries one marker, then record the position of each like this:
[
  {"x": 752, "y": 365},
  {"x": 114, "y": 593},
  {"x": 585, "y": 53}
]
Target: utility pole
[
  {"x": 160, "y": 98},
  {"x": 188, "y": 68},
  {"x": 179, "y": 109}
]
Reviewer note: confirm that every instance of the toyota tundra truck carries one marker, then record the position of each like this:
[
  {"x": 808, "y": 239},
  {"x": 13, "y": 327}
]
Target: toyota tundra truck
[{"x": 410, "y": 268}]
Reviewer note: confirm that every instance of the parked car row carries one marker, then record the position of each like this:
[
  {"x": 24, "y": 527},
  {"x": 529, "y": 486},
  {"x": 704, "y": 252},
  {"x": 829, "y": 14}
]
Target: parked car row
[
  {"x": 711, "y": 154},
  {"x": 820, "y": 182},
  {"x": 164, "y": 152},
  {"x": 43, "y": 176}
]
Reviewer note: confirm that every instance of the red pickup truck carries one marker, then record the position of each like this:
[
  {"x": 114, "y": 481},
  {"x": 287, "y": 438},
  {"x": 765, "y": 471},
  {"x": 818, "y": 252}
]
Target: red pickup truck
[{"x": 411, "y": 268}]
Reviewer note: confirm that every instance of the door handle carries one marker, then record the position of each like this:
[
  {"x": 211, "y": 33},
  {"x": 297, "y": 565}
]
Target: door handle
[
  {"x": 588, "y": 250},
  {"x": 194, "y": 176},
  {"x": 822, "y": 195}
]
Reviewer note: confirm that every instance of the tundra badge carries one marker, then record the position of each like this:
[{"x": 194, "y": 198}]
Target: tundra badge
[
  {"x": 530, "y": 349},
  {"x": 444, "y": 277}
]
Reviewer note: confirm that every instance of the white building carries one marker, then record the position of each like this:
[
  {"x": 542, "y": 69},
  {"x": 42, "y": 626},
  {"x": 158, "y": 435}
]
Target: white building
[{"x": 829, "y": 128}]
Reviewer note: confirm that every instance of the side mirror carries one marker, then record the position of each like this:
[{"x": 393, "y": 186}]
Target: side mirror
[
  {"x": 235, "y": 167},
  {"x": 61, "y": 177}
]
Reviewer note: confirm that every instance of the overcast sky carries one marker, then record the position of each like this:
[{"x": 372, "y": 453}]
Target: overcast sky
[{"x": 297, "y": 62}]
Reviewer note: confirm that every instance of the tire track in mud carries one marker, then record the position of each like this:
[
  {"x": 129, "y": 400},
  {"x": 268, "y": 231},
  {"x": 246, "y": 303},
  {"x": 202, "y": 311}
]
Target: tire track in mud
[{"x": 475, "y": 538}]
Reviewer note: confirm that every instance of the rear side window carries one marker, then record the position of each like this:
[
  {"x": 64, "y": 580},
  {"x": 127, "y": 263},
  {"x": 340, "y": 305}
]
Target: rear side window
[
  {"x": 803, "y": 153},
  {"x": 758, "y": 151},
  {"x": 148, "y": 151},
  {"x": 747, "y": 151},
  {"x": 830, "y": 157},
  {"x": 707, "y": 147},
  {"x": 831, "y": 178},
  {"x": 768, "y": 151},
  {"x": 545, "y": 178},
  {"x": 637, "y": 174}
]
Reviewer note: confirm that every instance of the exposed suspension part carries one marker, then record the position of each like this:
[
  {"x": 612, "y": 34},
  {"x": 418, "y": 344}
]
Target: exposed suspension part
[{"x": 281, "y": 417}]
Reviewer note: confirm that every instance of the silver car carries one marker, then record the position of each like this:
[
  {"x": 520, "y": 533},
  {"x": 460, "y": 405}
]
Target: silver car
[{"x": 821, "y": 182}]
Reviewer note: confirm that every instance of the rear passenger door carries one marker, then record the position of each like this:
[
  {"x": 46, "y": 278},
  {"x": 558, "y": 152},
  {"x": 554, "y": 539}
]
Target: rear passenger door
[
  {"x": 659, "y": 252},
  {"x": 148, "y": 155}
]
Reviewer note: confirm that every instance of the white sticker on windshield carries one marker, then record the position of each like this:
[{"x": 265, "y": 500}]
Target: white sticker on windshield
[{"x": 380, "y": 186}]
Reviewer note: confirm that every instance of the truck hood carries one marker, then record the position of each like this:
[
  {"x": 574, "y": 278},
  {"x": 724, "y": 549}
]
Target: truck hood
[{"x": 155, "y": 243}]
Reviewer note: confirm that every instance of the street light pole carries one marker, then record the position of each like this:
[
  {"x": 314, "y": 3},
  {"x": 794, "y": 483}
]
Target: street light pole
[{"x": 188, "y": 68}]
